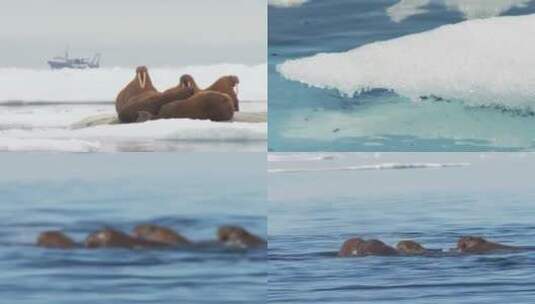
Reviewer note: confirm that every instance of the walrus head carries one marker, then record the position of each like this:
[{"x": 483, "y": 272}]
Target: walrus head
[
  {"x": 351, "y": 247},
  {"x": 475, "y": 244},
  {"x": 55, "y": 239},
  {"x": 142, "y": 74},
  {"x": 360, "y": 247},
  {"x": 108, "y": 238},
  {"x": 234, "y": 82},
  {"x": 159, "y": 234},
  {"x": 410, "y": 247},
  {"x": 187, "y": 81},
  {"x": 233, "y": 236}
]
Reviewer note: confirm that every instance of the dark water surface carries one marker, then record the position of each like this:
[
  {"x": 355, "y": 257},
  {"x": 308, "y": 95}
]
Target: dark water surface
[
  {"x": 193, "y": 193},
  {"x": 312, "y": 213}
]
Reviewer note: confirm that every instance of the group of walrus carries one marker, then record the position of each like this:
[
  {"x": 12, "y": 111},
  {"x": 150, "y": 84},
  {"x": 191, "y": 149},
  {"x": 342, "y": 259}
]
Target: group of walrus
[
  {"x": 139, "y": 101},
  {"x": 151, "y": 236},
  {"x": 465, "y": 245}
]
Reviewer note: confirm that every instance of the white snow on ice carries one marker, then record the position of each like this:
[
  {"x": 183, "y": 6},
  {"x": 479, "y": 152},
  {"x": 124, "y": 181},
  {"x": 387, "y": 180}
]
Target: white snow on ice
[
  {"x": 21, "y": 84},
  {"x": 471, "y": 9},
  {"x": 481, "y": 62}
]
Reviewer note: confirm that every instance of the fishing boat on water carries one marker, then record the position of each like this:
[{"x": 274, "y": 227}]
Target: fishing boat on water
[{"x": 65, "y": 62}]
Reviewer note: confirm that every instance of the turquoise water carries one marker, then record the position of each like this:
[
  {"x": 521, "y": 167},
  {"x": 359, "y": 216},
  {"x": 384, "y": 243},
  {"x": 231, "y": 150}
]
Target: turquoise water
[
  {"x": 193, "y": 193},
  {"x": 313, "y": 212},
  {"x": 303, "y": 118}
]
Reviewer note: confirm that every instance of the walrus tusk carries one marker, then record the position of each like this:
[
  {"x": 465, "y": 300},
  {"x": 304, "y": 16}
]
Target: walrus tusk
[
  {"x": 141, "y": 79},
  {"x": 236, "y": 89}
]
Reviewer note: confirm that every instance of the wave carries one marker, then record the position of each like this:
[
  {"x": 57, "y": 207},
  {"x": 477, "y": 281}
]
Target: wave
[
  {"x": 383, "y": 166},
  {"x": 300, "y": 157},
  {"x": 97, "y": 85},
  {"x": 486, "y": 62},
  {"x": 474, "y": 9},
  {"x": 286, "y": 3}
]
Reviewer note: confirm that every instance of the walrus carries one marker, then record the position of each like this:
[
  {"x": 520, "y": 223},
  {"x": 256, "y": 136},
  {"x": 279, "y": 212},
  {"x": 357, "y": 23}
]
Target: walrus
[
  {"x": 226, "y": 84},
  {"x": 360, "y": 247},
  {"x": 210, "y": 105},
  {"x": 139, "y": 95},
  {"x": 477, "y": 245},
  {"x": 55, "y": 239},
  {"x": 234, "y": 236},
  {"x": 159, "y": 234},
  {"x": 113, "y": 238},
  {"x": 409, "y": 247}
]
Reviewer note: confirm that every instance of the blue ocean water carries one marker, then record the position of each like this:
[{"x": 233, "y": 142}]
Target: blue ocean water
[
  {"x": 303, "y": 118},
  {"x": 313, "y": 212},
  {"x": 193, "y": 193}
]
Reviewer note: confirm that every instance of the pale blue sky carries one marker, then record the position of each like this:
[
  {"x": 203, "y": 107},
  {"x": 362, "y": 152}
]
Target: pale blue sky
[{"x": 133, "y": 32}]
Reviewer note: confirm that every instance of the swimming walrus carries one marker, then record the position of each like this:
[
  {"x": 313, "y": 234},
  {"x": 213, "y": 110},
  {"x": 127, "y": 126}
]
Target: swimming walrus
[
  {"x": 478, "y": 245},
  {"x": 55, "y": 239},
  {"x": 234, "y": 236},
  {"x": 360, "y": 247},
  {"x": 210, "y": 105},
  {"x": 409, "y": 247},
  {"x": 159, "y": 234},
  {"x": 226, "y": 84},
  {"x": 113, "y": 238},
  {"x": 140, "y": 96}
]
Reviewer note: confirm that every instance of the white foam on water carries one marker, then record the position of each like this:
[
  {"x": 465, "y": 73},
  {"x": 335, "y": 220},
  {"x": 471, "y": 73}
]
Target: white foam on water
[
  {"x": 21, "y": 84},
  {"x": 300, "y": 157},
  {"x": 472, "y": 9},
  {"x": 286, "y": 3},
  {"x": 381, "y": 166},
  {"x": 484, "y": 62}
]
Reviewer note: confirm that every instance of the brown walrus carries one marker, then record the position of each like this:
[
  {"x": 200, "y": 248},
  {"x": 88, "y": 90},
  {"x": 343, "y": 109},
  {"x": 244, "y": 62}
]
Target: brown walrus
[
  {"x": 235, "y": 236},
  {"x": 203, "y": 105},
  {"x": 225, "y": 84},
  {"x": 409, "y": 247},
  {"x": 475, "y": 244},
  {"x": 139, "y": 95},
  {"x": 159, "y": 234},
  {"x": 112, "y": 238},
  {"x": 360, "y": 247},
  {"x": 55, "y": 239}
]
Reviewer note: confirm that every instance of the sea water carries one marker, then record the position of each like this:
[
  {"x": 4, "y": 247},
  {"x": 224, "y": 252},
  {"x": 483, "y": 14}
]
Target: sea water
[
  {"x": 431, "y": 75},
  {"x": 319, "y": 200},
  {"x": 191, "y": 193}
]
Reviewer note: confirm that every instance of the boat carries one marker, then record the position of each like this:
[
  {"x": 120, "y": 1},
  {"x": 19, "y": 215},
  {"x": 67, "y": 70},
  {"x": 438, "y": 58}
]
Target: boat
[{"x": 65, "y": 62}]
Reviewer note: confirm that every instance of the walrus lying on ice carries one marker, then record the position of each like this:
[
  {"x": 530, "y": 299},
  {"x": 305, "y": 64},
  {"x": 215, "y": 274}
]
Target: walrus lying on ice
[
  {"x": 465, "y": 245},
  {"x": 226, "y": 85},
  {"x": 149, "y": 236},
  {"x": 140, "y": 101},
  {"x": 140, "y": 96}
]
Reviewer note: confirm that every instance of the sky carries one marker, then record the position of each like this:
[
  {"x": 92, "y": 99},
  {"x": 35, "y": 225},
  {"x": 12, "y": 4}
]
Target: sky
[{"x": 132, "y": 32}]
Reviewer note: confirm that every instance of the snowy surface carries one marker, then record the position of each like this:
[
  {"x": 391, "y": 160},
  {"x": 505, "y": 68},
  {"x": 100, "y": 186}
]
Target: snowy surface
[
  {"x": 486, "y": 62},
  {"x": 51, "y": 128},
  {"x": 101, "y": 85}
]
